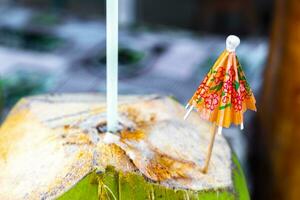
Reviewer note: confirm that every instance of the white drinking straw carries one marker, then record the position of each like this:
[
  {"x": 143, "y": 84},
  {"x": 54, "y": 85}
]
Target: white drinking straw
[{"x": 112, "y": 64}]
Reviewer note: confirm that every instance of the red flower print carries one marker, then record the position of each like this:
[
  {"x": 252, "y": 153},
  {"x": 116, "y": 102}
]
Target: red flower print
[
  {"x": 205, "y": 80},
  {"x": 243, "y": 91},
  {"x": 236, "y": 95},
  {"x": 242, "y": 87},
  {"x": 220, "y": 72},
  {"x": 217, "y": 81},
  {"x": 225, "y": 99},
  {"x": 202, "y": 90},
  {"x": 231, "y": 73},
  {"x": 212, "y": 101},
  {"x": 238, "y": 107},
  {"x": 237, "y": 101},
  {"x": 228, "y": 86}
]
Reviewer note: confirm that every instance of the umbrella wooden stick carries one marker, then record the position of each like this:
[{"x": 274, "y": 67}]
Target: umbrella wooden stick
[{"x": 210, "y": 147}]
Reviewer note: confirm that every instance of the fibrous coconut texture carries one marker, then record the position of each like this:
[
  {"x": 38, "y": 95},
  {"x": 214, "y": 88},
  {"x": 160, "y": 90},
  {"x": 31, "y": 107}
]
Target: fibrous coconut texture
[{"x": 52, "y": 146}]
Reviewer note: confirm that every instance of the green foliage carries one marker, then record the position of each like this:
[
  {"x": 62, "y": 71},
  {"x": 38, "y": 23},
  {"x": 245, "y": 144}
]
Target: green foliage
[
  {"x": 20, "y": 84},
  {"x": 29, "y": 40},
  {"x": 45, "y": 19}
]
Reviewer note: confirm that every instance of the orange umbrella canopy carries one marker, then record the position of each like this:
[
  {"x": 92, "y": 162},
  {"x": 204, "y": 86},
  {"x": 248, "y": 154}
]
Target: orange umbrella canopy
[{"x": 224, "y": 94}]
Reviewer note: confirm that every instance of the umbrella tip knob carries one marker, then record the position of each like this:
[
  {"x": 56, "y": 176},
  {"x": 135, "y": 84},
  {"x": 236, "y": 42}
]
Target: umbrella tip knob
[{"x": 232, "y": 42}]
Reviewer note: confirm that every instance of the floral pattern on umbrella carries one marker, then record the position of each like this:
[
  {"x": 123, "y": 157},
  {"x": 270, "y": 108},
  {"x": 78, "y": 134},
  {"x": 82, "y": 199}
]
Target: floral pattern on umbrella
[{"x": 224, "y": 94}]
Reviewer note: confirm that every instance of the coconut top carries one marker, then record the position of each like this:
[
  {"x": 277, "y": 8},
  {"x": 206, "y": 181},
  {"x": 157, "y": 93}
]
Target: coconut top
[{"x": 49, "y": 143}]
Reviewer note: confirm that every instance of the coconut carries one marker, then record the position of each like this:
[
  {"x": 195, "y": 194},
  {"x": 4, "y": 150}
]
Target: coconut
[{"x": 56, "y": 147}]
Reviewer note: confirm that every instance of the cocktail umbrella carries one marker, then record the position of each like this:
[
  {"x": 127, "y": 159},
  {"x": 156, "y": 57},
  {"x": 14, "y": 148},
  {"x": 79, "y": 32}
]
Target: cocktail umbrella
[{"x": 224, "y": 94}]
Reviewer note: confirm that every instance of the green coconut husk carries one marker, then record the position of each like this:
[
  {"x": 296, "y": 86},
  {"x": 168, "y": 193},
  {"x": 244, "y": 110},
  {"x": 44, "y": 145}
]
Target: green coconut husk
[{"x": 112, "y": 185}]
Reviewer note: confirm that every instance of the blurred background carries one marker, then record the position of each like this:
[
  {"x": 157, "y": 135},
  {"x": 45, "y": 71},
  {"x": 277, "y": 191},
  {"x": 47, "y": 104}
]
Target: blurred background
[{"x": 166, "y": 47}]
